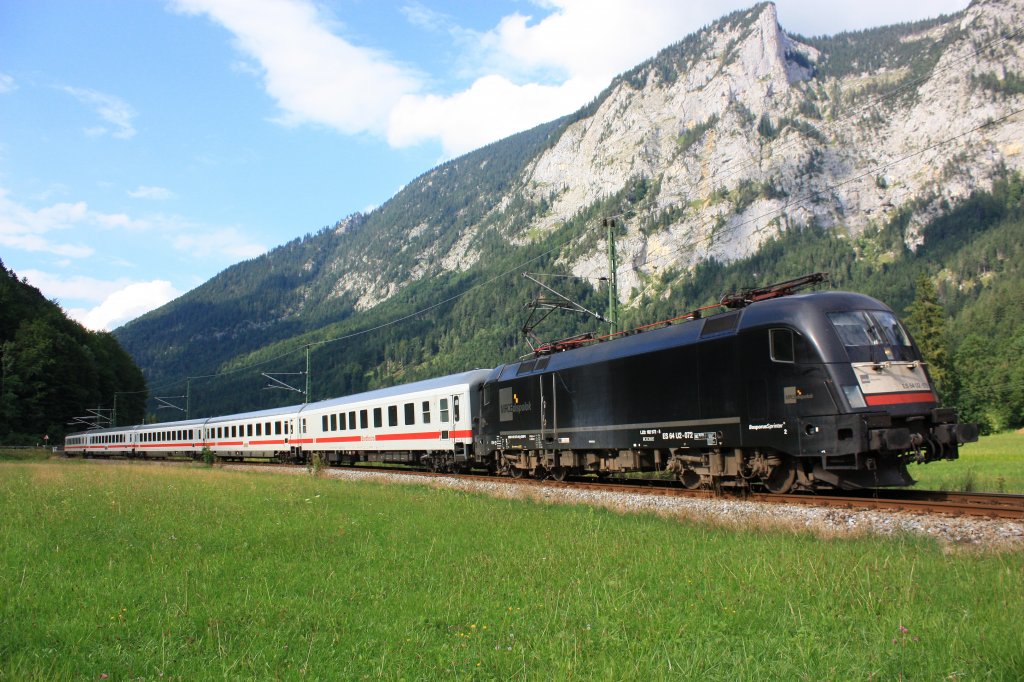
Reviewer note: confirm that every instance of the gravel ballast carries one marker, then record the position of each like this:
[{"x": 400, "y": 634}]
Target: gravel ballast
[{"x": 952, "y": 531}]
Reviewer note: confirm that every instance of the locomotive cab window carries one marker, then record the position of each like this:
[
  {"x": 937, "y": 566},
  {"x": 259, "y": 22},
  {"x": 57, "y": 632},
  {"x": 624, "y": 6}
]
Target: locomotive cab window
[
  {"x": 872, "y": 336},
  {"x": 781, "y": 345}
]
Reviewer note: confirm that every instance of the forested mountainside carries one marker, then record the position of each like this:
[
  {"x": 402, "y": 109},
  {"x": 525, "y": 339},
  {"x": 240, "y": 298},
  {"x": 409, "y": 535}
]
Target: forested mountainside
[
  {"x": 52, "y": 369},
  {"x": 739, "y": 156}
]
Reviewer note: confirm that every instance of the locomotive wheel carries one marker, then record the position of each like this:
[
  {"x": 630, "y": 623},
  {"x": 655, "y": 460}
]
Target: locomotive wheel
[
  {"x": 782, "y": 477},
  {"x": 690, "y": 479},
  {"x": 516, "y": 472},
  {"x": 559, "y": 473}
]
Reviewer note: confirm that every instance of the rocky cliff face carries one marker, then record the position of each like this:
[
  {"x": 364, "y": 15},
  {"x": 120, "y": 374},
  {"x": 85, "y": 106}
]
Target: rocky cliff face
[{"x": 750, "y": 139}]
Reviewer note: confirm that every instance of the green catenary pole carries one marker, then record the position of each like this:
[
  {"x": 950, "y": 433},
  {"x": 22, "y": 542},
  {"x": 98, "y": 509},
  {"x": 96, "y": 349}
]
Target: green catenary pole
[{"x": 613, "y": 286}]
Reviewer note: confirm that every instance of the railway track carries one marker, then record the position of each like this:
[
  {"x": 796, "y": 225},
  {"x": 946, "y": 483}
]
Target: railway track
[{"x": 989, "y": 505}]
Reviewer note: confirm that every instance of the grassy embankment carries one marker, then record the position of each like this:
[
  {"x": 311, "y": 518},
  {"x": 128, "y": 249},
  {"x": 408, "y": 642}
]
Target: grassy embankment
[{"x": 185, "y": 572}]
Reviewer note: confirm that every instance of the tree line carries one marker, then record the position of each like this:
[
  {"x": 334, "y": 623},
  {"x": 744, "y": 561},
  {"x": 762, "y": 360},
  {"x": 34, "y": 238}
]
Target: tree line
[{"x": 53, "y": 370}]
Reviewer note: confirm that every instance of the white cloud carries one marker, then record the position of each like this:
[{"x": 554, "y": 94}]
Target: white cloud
[
  {"x": 155, "y": 193},
  {"x": 313, "y": 75},
  {"x": 76, "y": 288},
  {"x": 7, "y": 84},
  {"x": 25, "y": 229},
  {"x": 522, "y": 72},
  {"x": 125, "y": 303},
  {"x": 492, "y": 108},
  {"x": 807, "y": 18},
  {"x": 114, "y": 111},
  {"x": 227, "y": 241}
]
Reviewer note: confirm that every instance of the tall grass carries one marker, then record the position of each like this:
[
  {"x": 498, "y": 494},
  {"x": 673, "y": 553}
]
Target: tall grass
[{"x": 156, "y": 572}]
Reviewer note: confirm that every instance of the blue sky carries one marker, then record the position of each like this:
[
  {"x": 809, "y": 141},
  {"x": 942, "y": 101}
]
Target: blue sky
[{"x": 147, "y": 145}]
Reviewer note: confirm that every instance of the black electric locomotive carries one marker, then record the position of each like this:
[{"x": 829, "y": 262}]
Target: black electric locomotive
[
  {"x": 801, "y": 391},
  {"x": 781, "y": 391}
]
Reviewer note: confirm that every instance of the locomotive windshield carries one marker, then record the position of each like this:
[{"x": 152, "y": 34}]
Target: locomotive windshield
[{"x": 873, "y": 336}]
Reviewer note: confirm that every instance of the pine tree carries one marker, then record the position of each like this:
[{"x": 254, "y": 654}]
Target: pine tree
[{"x": 926, "y": 321}]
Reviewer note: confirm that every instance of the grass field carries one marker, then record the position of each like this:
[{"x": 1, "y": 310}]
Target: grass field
[
  {"x": 994, "y": 464},
  {"x": 185, "y": 572}
]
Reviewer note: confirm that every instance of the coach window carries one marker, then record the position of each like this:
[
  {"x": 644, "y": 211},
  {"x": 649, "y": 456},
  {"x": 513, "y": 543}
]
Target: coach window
[
  {"x": 266, "y": 429},
  {"x": 352, "y": 420},
  {"x": 781, "y": 343},
  {"x": 410, "y": 414},
  {"x": 378, "y": 417},
  {"x": 334, "y": 422},
  {"x": 426, "y": 411},
  {"x": 248, "y": 430},
  {"x": 277, "y": 428},
  {"x": 341, "y": 421},
  {"x": 444, "y": 410},
  {"x": 364, "y": 422},
  {"x": 259, "y": 429},
  {"x": 323, "y": 422},
  {"x": 234, "y": 431},
  {"x": 392, "y": 415}
]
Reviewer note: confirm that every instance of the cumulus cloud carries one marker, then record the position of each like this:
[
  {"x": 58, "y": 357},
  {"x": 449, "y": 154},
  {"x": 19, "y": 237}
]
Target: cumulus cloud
[
  {"x": 528, "y": 72},
  {"x": 117, "y": 114},
  {"x": 525, "y": 70},
  {"x": 76, "y": 287},
  {"x": 314, "y": 75},
  {"x": 125, "y": 303}
]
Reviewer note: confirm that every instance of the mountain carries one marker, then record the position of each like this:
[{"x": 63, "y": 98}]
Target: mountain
[
  {"x": 721, "y": 159},
  {"x": 52, "y": 369}
]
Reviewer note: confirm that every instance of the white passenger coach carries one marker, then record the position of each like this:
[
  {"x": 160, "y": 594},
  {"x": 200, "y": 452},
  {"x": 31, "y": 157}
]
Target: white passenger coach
[{"x": 427, "y": 421}]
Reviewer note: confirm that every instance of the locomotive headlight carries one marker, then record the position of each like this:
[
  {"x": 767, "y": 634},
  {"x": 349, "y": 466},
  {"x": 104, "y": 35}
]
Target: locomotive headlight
[{"x": 854, "y": 396}]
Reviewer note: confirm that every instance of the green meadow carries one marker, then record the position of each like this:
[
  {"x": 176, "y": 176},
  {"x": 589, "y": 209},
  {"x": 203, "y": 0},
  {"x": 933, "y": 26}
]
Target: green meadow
[
  {"x": 995, "y": 464},
  {"x": 125, "y": 571}
]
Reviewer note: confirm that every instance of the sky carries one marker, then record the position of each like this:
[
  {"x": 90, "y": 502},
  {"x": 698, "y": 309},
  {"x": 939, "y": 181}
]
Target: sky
[{"x": 146, "y": 145}]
